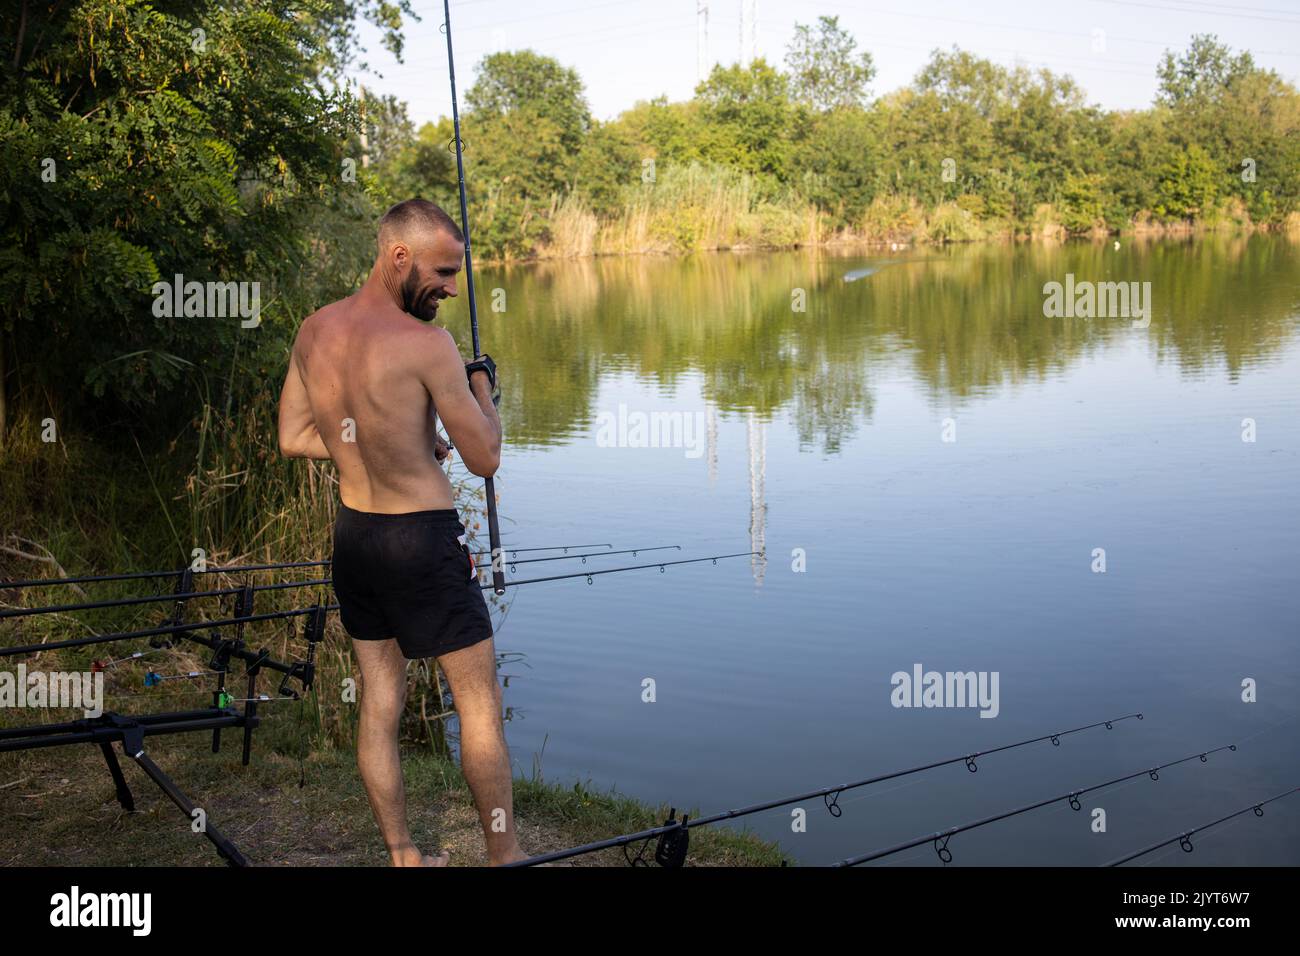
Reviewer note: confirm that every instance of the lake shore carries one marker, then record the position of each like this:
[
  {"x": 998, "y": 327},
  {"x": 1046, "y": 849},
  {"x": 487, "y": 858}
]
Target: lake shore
[
  {"x": 580, "y": 235},
  {"x": 57, "y": 809}
]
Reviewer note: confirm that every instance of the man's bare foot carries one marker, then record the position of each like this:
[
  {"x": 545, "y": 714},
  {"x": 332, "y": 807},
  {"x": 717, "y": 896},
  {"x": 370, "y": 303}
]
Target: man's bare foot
[
  {"x": 513, "y": 856},
  {"x": 410, "y": 856}
]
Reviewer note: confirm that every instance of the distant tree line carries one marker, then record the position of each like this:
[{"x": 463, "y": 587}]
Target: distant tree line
[
  {"x": 970, "y": 147},
  {"x": 216, "y": 139}
]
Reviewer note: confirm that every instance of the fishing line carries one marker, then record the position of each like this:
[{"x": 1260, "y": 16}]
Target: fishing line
[{"x": 1280, "y": 723}]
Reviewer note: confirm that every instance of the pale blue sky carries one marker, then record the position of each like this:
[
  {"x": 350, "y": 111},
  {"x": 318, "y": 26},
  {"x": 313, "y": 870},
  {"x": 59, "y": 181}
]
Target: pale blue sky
[{"x": 628, "y": 50}]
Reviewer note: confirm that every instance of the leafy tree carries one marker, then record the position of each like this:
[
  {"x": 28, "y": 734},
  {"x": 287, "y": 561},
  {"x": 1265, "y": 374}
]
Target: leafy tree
[
  {"x": 608, "y": 163},
  {"x": 526, "y": 122},
  {"x": 525, "y": 83},
  {"x": 838, "y": 153},
  {"x": 1247, "y": 120},
  {"x": 668, "y": 132},
  {"x": 747, "y": 112},
  {"x": 1199, "y": 78},
  {"x": 424, "y": 166},
  {"x": 826, "y": 72},
  {"x": 1134, "y": 144},
  {"x": 1082, "y": 206},
  {"x": 146, "y": 140},
  {"x": 959, "y": 78},
  {"x": 1187, "y": 184}
]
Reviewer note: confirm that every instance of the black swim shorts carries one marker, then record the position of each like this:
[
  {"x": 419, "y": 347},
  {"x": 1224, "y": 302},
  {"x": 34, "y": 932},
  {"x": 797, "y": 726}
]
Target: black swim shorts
[{"x": 410, "y": 577}]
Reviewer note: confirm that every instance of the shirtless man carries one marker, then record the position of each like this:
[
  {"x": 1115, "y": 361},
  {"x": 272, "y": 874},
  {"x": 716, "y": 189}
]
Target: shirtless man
[{"x": 367, "y": 378}]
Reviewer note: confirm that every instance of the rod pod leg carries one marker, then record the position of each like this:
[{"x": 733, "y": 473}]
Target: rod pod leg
[
  {"x": 133, "y": 747},
  {"x": 124, "y": 797}
]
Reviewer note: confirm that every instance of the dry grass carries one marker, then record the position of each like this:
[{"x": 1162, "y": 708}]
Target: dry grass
[{"x": 57, "y": 807}]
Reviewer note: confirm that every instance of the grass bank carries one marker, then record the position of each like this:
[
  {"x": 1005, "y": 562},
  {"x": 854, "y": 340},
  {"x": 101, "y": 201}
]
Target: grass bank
[{"x": 57, "y": 808}]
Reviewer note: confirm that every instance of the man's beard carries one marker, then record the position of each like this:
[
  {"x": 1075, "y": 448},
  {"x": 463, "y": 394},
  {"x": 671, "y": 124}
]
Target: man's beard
[{"x": 410, "y": 294}]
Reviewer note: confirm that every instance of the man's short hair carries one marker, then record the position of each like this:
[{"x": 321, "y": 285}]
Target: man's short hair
[{"x": 414, "y": 219}]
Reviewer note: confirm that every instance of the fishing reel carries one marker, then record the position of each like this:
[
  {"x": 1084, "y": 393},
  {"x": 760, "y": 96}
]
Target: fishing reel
[
  {"x": 304, "y": 671},
  {"x": 184, "y": 587}
]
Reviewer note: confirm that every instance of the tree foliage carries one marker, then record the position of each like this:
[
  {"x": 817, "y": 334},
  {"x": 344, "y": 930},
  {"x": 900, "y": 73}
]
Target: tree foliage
[
  {"x": 149, "y": 140},
  {"x": 826, "y": 71}
]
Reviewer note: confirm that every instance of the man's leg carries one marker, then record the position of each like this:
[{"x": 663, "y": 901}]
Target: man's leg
[
  {"x": 383, "y": 694},
  {"x": 484, "y": 759}
]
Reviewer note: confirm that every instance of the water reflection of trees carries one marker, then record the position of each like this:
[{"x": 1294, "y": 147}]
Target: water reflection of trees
[{"x": 965, "y": 320}]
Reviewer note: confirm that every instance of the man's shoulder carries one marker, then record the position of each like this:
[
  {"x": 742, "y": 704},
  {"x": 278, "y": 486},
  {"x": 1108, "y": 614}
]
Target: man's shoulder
[
  {"x": 428, "y": 351},
  {"x": 433, "y": 341},
  {"x": 310, "y": 326},
  {"x": 327, "y": 311}
]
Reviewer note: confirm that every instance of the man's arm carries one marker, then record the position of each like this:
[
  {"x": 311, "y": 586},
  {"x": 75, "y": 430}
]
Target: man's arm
[
  {"x": 298, "y": 435},
  {"x": 465, "y": 407}
]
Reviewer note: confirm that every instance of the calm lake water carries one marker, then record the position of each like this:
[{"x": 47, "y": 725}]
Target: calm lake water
[{"x": 822, "y": 433}]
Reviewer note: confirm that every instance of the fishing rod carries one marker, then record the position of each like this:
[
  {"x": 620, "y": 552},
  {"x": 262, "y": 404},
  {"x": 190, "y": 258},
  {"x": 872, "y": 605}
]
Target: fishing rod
[
  {"x": 158, "y": 631},
  {"x": 234, "y": 569},
  {"x": 634, "y": 567},
  {"x": 153, "y": 599},
  {"x": 558, "y": 547},
  {"x": 494, "y": 529},
  {"x": 593, "y": 554},
  {"x": 142, "y": 575},
  {"x": 832, "y": 805},
  {"x": 1184, "y": 839},
  {"x": 238, "y": 620},
  {"x": 940, "y": 839}
]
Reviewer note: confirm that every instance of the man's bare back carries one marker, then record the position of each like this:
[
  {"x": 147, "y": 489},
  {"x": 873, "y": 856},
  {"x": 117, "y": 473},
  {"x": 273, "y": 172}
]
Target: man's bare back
[
  {"x": 371, "y": 406},
  {"x": 367, "y": 381}
]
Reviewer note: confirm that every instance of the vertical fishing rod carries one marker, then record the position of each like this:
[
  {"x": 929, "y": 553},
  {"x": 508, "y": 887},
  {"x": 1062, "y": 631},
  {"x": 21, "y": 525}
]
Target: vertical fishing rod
[{"x": 494, "y": 530}]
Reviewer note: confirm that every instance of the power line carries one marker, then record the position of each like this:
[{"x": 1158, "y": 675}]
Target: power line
[
  {"x": 1016, "y": 27},
  {"x": 1208, "y": 13},
  {"x": 416, "y": 70},
  {"x": 1233, "y": 7}
]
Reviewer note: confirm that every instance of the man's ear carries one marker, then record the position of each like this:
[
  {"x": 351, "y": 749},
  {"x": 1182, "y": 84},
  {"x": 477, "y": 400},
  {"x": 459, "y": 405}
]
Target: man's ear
[{"x": 399, "y": 254}]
